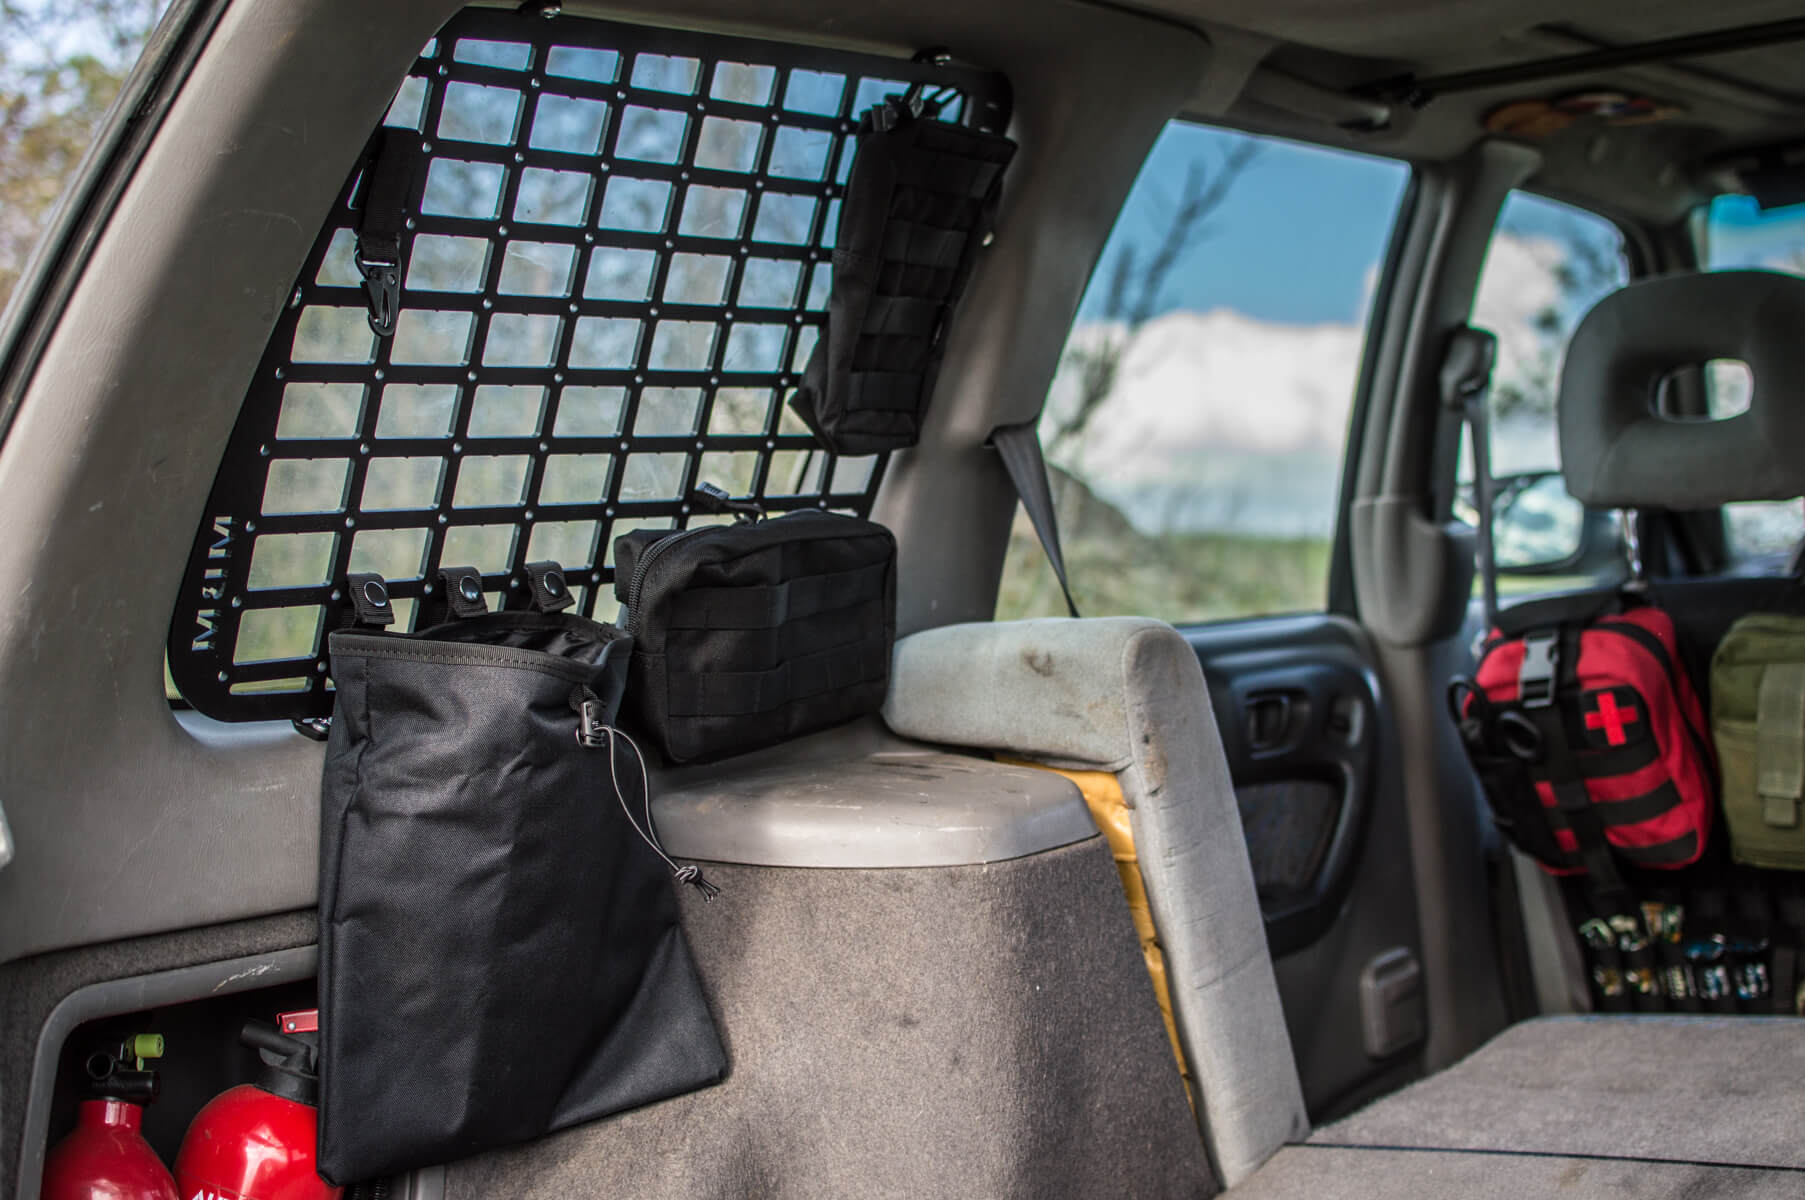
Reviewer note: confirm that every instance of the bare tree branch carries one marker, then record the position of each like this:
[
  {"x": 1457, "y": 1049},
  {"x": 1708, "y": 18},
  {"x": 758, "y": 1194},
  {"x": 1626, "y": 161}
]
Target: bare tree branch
[{"x": 1136, "y": 291}]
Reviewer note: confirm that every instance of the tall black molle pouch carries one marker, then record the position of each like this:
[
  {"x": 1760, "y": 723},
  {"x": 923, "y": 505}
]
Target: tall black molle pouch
[
  {"x": 748, "y": 634},
  {"x": 499, "y": 949},
  {"x": 920, "y": 204}
]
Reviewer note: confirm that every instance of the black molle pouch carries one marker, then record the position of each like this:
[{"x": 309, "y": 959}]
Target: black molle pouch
[
  {"x": 749, "y": 634},
  {"x": 500, "y": 955},
  {"x": 920, "y": 204}
]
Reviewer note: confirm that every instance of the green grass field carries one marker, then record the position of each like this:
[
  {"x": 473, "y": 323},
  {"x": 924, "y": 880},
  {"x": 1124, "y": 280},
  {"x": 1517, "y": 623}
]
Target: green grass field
[{"x": 1178, "y": 577}]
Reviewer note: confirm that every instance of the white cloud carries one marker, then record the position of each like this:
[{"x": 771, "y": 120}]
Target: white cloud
[
  {"x": 1218, "y": 420},
  {"x": 1520, "y": 280}
]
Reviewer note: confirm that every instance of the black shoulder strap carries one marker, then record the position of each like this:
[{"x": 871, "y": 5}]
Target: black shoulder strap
[{"x": 1019, "y": 446}]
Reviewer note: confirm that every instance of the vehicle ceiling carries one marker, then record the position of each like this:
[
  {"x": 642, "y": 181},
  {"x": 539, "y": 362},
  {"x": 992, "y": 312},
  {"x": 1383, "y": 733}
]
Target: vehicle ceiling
[{"x": 1655, "y": 172}]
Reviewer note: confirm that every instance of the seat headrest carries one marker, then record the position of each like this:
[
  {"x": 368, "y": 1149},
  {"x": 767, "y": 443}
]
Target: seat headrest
[{"x": 1618, "y": 452}]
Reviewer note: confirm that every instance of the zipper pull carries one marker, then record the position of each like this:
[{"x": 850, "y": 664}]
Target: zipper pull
[{"x": 710, "y": 498}]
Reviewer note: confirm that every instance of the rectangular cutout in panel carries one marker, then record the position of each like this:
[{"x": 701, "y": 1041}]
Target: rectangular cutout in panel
[{"x": 586, "y": 327}]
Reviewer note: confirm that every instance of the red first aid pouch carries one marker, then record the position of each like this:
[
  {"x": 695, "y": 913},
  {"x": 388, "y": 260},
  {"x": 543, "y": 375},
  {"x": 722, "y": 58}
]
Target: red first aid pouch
[{"x": 1589, "y": 738}]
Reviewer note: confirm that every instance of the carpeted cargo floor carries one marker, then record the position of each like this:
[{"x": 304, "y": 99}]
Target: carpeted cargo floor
[{"x": 983, "y": 1031}]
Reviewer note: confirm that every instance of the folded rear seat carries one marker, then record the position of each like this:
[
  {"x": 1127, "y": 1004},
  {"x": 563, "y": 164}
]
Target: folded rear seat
[
  {"x": 1650, "y": 1106},
  {"x": 1654, "y": 1106}
]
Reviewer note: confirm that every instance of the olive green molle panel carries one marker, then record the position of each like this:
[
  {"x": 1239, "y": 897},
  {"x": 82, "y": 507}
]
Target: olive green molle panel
[{"x": 1758, "y": 719}]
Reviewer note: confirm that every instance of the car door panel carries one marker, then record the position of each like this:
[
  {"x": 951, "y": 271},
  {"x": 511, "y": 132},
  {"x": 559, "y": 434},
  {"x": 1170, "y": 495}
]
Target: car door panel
[{"x": 1316, "y": 766}]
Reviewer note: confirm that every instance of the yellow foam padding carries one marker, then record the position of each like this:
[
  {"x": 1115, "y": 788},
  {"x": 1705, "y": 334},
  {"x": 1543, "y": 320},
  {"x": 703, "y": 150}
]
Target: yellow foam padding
[{"x": 1109, "y": 809}]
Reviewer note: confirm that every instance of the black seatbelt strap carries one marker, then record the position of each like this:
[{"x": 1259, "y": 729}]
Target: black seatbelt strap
[
  {"x": 1019, "y": 447},
  {"x": 388, "y": 181},
  {"x": 1466, "y": 379}
]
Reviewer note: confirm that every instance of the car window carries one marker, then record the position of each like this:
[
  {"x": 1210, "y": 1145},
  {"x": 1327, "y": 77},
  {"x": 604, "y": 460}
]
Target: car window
[
  {"x": 1547, "y": 265},
  {"x": 614, "y": 268},
  {"x": 1738, "y": 234},
  {"x": 60, "y": 67},
  {"x": 1196, "y": 425}
]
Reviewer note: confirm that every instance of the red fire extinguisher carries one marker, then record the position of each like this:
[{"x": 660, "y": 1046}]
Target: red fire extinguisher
[
  {"x": 107, "y": 1158},
  {"x": 258, "y": 1141}
]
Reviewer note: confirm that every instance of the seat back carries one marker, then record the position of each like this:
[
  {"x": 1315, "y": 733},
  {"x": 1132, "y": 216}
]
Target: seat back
[{"x": 1125, "y": 695}]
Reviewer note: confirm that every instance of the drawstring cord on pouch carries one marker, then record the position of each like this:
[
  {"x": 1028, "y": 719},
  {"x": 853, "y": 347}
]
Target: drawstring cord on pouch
[{"x": 590, "y": 732}]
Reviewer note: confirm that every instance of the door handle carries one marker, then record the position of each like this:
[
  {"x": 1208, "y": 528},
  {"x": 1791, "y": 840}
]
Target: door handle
[{"x": 1269, "y": 719}]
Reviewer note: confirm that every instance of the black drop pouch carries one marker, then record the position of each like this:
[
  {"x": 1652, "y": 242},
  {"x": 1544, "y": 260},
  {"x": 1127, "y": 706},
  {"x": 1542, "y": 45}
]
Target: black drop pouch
[
  {"x": 747, "y": 635},
  {"x": 920, "y": 203},
  {"x": 499, "y": 951}
]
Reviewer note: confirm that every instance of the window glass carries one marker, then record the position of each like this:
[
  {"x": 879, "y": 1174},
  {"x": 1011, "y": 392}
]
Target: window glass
[
  {"x": 1547, "y": 265},
  {"x": 1196, "y": 426},
  {"x": 60, "y": 67},
  {"x": 1738, "y": 234},
  {"x": 600, "y": 305}
]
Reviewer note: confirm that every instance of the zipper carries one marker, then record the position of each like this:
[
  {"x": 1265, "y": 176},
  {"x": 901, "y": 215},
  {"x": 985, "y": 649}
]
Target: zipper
[
  {"x": 649, "y": 556},
  {"x": 1652, "y": 645}
]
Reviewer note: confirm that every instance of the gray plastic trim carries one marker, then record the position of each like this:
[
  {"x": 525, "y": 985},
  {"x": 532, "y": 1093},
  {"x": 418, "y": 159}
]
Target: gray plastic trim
[
  {"x": 892, "y": 808},
  {"x": 117, "y": 996}
]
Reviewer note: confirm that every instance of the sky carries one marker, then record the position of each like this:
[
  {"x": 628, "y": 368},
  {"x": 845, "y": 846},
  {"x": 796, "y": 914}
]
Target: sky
[
  {"x": 1739, "y": 234},
  {"x": 1297, "y": 240}
]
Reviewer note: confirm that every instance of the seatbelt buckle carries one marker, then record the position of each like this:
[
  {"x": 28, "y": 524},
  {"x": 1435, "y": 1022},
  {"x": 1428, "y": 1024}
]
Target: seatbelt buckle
[{"x": 1535, "y": 678}]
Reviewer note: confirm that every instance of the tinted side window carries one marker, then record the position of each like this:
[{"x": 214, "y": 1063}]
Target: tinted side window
[
  {"x": 60, "y": 67},
  {"x": 1739, "y": 234},
  {"x": 1547, "y": 265},
  {"x": 1197, "y": 423}
]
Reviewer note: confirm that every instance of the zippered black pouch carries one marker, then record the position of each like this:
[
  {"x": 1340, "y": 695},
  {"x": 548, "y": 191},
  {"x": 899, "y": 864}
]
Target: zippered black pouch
[
  {"x": 500, "y": 952},
  {"x": 749, "y": 634}
]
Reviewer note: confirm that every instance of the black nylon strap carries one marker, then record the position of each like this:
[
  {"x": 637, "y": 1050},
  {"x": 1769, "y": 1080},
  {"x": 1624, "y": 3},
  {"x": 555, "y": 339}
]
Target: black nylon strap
[
  {"x": 772, "y": 605},
  {"x": 1019, "y": 446},
  {"x": 387, "y": 191},
  {"x": 1574, "y": 803},
  {"x": 749, "y": 693},
  {"x": 547, "y": 588},
  {"x": 459, "y": 595},
  {"x": 367, "y": 602}
]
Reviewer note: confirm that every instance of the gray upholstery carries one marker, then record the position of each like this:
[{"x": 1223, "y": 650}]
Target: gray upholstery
[
  {"x": 1339, "y": 1173},
  {"x": 876, "y": 803},
  {"x": 1616, "y": 452},
  {"x": 1126, "y": 694},
  {"x": 1659, "y": 1107},
  {"x": 980, "y": 1031},
  {"x": 1712, "y": 1090}
]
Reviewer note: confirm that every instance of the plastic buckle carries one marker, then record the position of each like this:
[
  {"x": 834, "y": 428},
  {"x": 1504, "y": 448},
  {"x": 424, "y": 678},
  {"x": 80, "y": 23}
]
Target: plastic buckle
[
  {"x": 592, "y": 724},
  {"x": 1535, "y": 679}
]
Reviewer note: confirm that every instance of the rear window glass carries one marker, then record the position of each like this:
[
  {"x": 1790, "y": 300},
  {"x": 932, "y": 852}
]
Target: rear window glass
[
  {"x": 617, "y": 252},
  {"x": 61, "y": 65}
]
